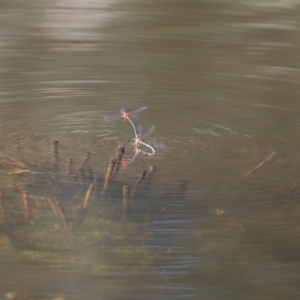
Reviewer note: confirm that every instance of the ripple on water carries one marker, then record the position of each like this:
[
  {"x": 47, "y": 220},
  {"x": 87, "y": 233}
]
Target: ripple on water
[
  {"x": 201, "y": 149},
  {"x": 242, "y": 142},
  {"x": 76, "y": 132}
]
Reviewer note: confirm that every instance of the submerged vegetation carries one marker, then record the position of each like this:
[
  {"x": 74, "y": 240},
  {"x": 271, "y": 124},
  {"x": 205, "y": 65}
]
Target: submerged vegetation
[
  {"x": 53, "y": 216},
  {"x": 48, "y": 215},
  {"x": 92, "y": 220}
]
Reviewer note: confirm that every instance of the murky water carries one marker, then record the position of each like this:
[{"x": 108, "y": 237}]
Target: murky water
[{"x": 220, "y": 80}]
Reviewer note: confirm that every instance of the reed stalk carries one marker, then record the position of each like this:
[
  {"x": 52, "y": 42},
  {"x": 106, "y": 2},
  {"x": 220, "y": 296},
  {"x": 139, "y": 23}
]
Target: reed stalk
[
  {"x": 126, "y": 198},
  {"x": 137, "y": 185},
  {"x": 68, "y": 170},
  {"x": 84, "y": 160},
  {"x": 149, "y": 178},
  {"x": 26, "y": 204},
  {"x": 119, "y": 156},
  {"x": 88, "y": 196},
  {"x": 108, "y": 175}
]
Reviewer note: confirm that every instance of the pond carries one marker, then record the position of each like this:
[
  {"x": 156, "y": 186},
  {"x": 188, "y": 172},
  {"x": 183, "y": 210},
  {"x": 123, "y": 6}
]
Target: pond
[{"x": 219, "y": 218}]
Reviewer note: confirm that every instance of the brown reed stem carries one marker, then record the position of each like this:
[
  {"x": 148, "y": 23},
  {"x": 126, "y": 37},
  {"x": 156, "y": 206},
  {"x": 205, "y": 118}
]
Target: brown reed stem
[
  {"x": 149, "y": 178},
  {"x": 137, "y": 185},
  {"x": 88, "y": 196},
  {"x": 84, "y": 160},
  {"x": 68, "y": 170},
  {"x": 54, "y": 147},
  {"x": 108, "y": 175},
  {"x": 53, "y": 205},
  {"x": 259, "y": 165},
  {"x": 126, "y": 197},
  {"x": 26, "y": 204},
  {"x": 54, "y": 153},
  {"x": 62, "y": 214},
  {"x": 119, "y": 156}
]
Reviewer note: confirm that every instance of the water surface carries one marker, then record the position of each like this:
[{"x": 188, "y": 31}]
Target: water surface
[{"x": 220, "y": 81}]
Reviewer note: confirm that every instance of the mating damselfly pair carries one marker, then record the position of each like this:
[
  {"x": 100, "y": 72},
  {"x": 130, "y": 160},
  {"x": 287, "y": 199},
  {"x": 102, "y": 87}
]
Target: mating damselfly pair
[{"x": 139, "y": 136}]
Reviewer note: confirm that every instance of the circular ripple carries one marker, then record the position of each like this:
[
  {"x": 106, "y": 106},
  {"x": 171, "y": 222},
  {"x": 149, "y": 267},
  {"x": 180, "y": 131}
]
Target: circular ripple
[
  {"x": 77, "y": 133},
  {"x": 201, "y": 150},
  {"x": 248, "y": 154}
]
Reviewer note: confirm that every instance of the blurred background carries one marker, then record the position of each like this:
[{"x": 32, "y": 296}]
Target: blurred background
[{"x": 220, "y": 80}]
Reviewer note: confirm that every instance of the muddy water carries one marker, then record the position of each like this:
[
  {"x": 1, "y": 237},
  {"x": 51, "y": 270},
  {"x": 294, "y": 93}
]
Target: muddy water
[{"x": 220, "y": 80}]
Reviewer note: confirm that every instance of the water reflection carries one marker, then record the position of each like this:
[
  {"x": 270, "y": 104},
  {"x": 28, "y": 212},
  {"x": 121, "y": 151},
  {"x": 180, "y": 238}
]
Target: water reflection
[
  {"x": 220, "y": 80},
  {"x": 74, "y": 25}
]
